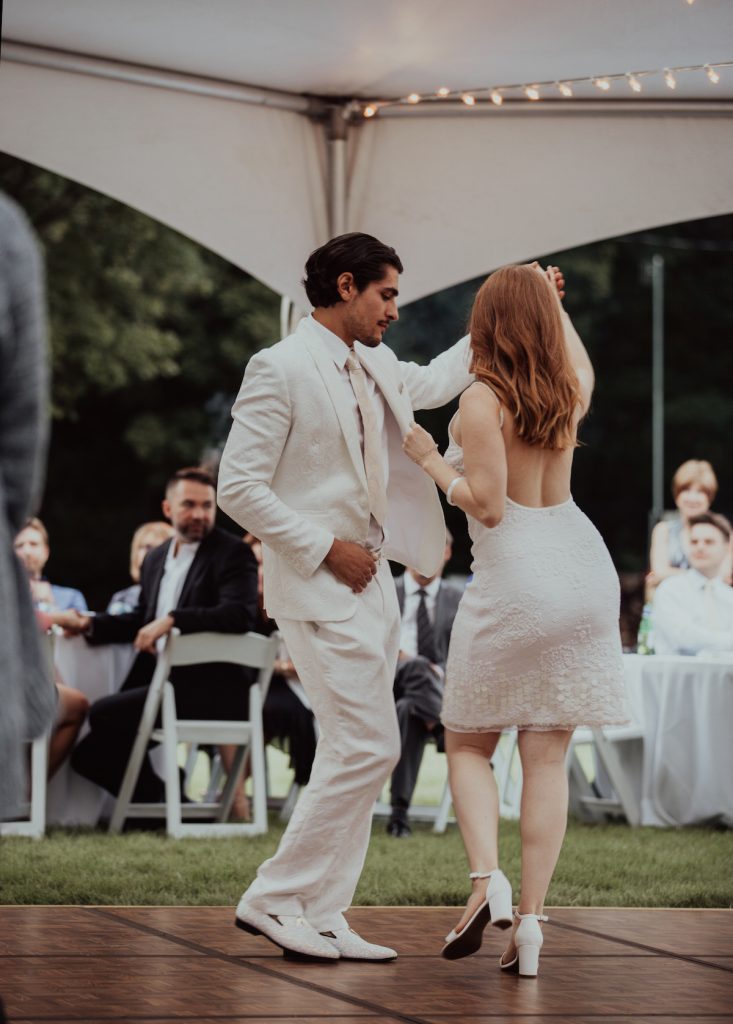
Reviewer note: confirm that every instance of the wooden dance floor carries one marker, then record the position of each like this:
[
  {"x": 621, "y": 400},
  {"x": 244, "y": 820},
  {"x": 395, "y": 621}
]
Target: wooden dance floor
[{"x": 173, "y": 964}]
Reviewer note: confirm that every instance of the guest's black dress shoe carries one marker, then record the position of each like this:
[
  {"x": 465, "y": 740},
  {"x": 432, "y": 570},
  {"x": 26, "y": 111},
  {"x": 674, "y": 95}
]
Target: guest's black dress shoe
[{"x": 398, "y": 828}]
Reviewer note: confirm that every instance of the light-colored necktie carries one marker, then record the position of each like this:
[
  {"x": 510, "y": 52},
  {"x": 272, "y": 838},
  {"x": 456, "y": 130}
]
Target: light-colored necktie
[
  {"x": 711, "y": 610},
  {"x": 372, "y": 440}
]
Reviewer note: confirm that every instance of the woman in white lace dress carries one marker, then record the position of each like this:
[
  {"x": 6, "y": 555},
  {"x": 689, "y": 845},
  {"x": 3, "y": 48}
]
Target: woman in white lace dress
[{"x": 535, "y": 644}]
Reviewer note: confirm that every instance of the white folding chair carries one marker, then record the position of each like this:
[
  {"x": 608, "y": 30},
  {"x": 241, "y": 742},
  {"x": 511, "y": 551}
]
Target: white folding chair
[
  {"x": 249, "y": 649},
  {"x": 587, "y": 802},
  {"x": 33, "y": 822}
]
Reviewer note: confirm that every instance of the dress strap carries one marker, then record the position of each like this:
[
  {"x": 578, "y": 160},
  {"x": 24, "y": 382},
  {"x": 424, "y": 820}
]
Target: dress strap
[{"x": 489, "y": 388}]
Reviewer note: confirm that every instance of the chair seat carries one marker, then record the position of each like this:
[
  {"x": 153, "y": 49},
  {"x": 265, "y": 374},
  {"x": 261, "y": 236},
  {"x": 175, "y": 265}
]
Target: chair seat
[{"x": 204, "y": 731}]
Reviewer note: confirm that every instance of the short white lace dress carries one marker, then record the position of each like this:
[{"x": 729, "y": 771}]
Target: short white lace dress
[{"x": 535, "y": 643}]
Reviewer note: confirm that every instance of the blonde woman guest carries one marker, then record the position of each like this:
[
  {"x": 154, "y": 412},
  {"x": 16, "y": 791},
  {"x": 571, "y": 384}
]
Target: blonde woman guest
[
  {"x": 694, "y": 486},
  {"x": 535, "y": 643},
  {"x": 144, "y": 539}
]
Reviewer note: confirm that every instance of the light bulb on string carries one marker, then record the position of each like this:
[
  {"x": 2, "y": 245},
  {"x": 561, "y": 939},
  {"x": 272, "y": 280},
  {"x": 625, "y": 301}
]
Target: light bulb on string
[
  {"x": 443, "y": 91},
  {"x": 601, "y": 83},
  {"x": 370, "y": 110},
  {"x": 532, "y": 92},
  {"x": 669, "y": 79},
  {"x": 566, "y": 89},
  {"x": 413, "y": 98},
  {"x": 634, "y": 83},
  {"x": 712, "y": 74},
  {"x": 469, "y": 99},
  {"x": 496, "y": 97}
]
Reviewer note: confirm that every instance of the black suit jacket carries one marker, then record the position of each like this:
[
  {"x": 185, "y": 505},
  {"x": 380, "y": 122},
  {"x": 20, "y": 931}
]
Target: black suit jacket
[
  {"x": 446, "y": 606},
  {"x": 219, "y": 595}
]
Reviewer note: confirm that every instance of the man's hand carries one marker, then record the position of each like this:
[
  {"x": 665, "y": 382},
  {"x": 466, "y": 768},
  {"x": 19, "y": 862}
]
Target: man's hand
[
  {"x": 72, "y": 622},
  {"x": 148, "y": 636},
  {"x": 351, "y": 563},
  {"x": 554, "y": 277}
]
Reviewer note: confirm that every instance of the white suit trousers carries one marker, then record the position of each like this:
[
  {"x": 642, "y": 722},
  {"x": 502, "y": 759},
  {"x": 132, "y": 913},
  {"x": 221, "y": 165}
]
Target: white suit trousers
[{"x": 347, "y": 670}]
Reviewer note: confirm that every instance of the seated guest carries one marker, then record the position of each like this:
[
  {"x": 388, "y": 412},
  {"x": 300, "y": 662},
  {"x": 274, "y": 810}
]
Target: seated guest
[
  {"x": 203, "y": 579},
  {"x": 694, "y": 486},
  {"x": 693, "y": 611},
  {"x": 32, "y": 548},
  {"x": 144, "y": 539},
  {"x": 428, "y": 605},
  {"x": 71, "y": 705}
]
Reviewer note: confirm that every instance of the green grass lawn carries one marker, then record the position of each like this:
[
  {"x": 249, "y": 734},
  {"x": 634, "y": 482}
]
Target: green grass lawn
[{"x": 600, "y": 865}]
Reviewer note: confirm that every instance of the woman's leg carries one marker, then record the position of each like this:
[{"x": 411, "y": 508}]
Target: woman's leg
[
  {"x": 543, "y": 814},
  {"x": 476, "y": 802},
  {"x": 241, "y": 810},
  {"x": 72, "y": 710}
]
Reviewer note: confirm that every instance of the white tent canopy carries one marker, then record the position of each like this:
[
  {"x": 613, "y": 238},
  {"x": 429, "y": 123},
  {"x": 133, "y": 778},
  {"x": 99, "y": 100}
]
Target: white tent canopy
[{"x": 235, "y": 122}]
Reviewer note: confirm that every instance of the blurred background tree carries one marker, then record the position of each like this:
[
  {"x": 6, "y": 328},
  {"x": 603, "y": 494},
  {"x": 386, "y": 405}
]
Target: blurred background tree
[{"x": 150, "y": 334}]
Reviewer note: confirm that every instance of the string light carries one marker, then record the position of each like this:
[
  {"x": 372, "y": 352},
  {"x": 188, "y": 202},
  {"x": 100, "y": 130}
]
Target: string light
[
  {"x": 634, "y": 83},
  {"x": 497, "y": 94}
]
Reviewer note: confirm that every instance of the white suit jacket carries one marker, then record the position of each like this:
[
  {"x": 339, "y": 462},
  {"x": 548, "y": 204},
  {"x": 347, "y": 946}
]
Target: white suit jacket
[{"x": 292, "y": 471}]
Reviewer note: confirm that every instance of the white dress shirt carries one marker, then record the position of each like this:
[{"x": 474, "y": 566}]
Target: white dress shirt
[
  {"x": 408, "y": 631},
  {"x": 692, "y": 614},
  {"x": 340, "y": 351},
  {"x": 177, "y": 563}
]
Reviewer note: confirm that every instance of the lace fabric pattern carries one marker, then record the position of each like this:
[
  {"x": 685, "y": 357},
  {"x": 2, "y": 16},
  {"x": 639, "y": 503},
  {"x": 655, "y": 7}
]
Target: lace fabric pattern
[{"x": 535, "y": 643}]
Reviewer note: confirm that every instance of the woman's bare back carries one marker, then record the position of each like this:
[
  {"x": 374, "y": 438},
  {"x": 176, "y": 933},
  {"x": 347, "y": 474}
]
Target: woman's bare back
[{"x": 536, "y": 477}]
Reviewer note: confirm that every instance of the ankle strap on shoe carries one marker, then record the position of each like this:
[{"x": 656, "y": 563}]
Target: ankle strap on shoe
[
  {"x": 480, "y": 874},
  {"x": 532, "y": 917}
]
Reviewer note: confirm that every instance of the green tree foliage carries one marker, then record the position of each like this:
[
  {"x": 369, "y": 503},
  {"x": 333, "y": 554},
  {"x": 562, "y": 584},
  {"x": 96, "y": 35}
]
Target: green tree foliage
[{"x": 149, "y": 334}]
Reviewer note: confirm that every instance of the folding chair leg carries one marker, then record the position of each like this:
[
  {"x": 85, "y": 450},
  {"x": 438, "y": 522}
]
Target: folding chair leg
[
  {"x": 441, "y": 820},
  {"x": 257, "y": 761},
  {"x": 137, "y": 755},
  {"x": 170, "y": 764},
  {"x": 624, "y": 790}
]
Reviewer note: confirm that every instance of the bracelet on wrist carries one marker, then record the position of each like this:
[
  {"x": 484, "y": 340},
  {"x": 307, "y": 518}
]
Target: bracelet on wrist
[
  {"x": 428, "y": 453},
  {"x": 450, "y": 488}
]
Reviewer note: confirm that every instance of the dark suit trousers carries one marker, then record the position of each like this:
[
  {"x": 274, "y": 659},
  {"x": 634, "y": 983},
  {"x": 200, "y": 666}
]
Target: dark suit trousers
[
  {"x": 103, "y": 754},
  {"x": 418, "y": 694}
]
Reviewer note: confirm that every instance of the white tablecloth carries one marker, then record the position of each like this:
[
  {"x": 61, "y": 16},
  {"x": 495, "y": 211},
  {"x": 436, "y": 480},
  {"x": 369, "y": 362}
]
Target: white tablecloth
[
  {"x": 97, "y": 672},
  {"x": 684, "y": 708}
]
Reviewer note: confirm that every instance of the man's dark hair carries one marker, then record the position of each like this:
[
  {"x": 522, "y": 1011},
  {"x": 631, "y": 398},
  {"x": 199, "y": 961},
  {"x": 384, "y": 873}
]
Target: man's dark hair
[
  {"x": 362, "y": 255},
  {"x": 711, "y": 519},
  {"x": 195, "y": 473}
]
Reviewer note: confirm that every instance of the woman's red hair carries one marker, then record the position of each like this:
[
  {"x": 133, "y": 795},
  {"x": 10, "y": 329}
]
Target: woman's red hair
[{"x": 518, "y": 349}]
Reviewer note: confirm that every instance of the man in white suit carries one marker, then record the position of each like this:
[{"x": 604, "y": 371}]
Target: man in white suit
[{"x": 314, "y": 467}]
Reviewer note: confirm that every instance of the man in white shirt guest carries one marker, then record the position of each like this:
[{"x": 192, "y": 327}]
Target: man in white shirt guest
[
  {"x": 693, "y": 611},
  {"x": 201, "y": 580}
]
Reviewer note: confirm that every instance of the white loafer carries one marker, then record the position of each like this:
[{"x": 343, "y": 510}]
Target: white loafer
[
  {"x": 351, "y": 946},
  {"x": 289, "y": 932}
]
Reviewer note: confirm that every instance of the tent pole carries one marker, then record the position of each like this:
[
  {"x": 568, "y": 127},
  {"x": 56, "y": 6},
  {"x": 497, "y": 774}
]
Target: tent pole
[
  {"x": 657, "y": 385},
  {"x": 336, "y": 132}
]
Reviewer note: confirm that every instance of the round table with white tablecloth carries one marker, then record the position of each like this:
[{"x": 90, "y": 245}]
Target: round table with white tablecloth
[
  {"x": 97, "y": 672},
  {"x": 685, "y": 710}
]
